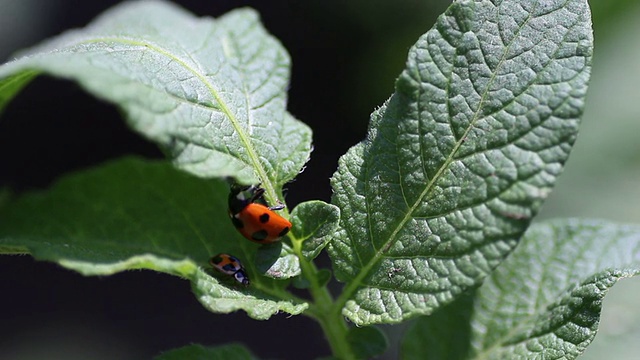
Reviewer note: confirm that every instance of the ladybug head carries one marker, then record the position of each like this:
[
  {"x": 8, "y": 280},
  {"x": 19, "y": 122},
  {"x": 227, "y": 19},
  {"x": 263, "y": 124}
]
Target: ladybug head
[
  {"x": 243, "y": 195},
  {"x": 241, "y": 277}
]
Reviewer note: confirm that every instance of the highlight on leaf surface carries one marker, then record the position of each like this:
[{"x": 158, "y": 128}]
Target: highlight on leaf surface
[
  {"x": 211, "y": 92},
  {"x": 544, "y": 301},
  {"x": 458, "y": 161}
]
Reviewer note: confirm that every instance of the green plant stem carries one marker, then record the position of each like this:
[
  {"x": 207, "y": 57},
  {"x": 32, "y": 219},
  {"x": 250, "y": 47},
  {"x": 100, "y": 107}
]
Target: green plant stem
[
  {"x": 323, "y": 309},
  {"x": 335, "y": 330}
]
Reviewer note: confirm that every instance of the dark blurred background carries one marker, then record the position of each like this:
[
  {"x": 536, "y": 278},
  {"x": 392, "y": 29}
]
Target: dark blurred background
[{"x": 346, "y": 55}]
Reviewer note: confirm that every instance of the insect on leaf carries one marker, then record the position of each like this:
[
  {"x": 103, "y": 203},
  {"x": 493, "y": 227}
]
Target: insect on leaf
[{"x": 137, "y": 214}]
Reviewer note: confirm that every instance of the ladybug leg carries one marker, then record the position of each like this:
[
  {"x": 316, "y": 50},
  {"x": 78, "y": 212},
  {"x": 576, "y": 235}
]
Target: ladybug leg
[
  {"x": 280, "y": 206},
  {"x": 257, "y": 194}
]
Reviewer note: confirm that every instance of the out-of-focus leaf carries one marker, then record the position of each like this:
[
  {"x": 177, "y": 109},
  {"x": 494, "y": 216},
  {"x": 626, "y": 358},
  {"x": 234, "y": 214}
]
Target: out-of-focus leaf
[
  {"x": 367, "y": 342},
  {"x": 544, "y": 301},
  {"x": 313, "y": 223},
  {"x": 199, "y": 352}
]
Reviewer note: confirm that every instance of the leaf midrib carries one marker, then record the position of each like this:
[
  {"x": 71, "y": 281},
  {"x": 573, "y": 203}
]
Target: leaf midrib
[
  {"x": 266, "y": 182},
  {"x": 223, "y": 107},
  {"x": 356, "y": 282}
]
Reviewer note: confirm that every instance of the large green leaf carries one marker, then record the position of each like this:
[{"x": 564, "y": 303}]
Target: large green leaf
[
  {"x": 461, "y": 157},
  {"x": 133, "y": 214},
  {"x": 543, "y": 302},
  {"x": 211, "y": 92}
]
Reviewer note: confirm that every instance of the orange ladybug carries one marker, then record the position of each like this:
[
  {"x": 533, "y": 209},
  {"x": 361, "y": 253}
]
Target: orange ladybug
[
  {"x": 230, "y": 265},
  {"x": 253, "y": 218}
]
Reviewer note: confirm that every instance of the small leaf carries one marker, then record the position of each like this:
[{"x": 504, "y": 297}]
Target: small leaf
[
  {"x": 543, "y": 302},
  {"x": 367, "y": 342},
  {"x": 135, "y": 214},
  {"x": 277, "y": 261},
  {"x": 199, "y": 352},
  {"x": 313, "y": 223},
  {"x": 210, "y": 91},
  {"x": 458, "y": 161}
]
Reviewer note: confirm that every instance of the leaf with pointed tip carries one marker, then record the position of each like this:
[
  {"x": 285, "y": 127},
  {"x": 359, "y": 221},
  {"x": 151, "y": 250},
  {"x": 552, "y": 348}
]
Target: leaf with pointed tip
[
  {"x": 313, "y": 223},
  {"x": 543, "y": 302},
  {"x": 136, "y": 214},
  {"x": 461, "y": 157},
  {"x": 199, "y": 352},
  {"x": 210, "y": 91}
]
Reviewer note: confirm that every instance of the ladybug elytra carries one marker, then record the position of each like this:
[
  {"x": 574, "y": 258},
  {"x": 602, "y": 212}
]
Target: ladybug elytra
[
  {"x": 230, "y": 265},
  {"x": 253, "y": 218}
]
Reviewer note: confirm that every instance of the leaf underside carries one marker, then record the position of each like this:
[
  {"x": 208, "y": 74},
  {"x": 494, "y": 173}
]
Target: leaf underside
[
  {"x": 461, "y": 157},
  {"x": 136, "y": 214},
  {"x": 543, "y": 302},
  {"x": 211, "y": 92}
]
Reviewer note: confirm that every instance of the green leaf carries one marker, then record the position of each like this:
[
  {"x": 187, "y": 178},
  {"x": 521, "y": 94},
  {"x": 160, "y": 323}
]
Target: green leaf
[
  {"x": 445, "y": 334},
  {"x": 367, "y": 342},
  {"x": 543, "y": 302},
  {"x": 259, "y": 302},
  {"x": 12, "y": 85},
  {"x": 619, "y": 328},
  {"x": 199, "y": 352},
  {"x": 135, "y": 214},
  {"x": 277, "y": 261},
  {"x": 461, "y": 157},
  {"x": 323, "y": 277},
  {"x": 212, "y": 92},
  {"x": 313, "y": 223}
]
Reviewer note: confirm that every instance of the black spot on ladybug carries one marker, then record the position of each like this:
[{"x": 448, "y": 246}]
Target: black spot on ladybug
[
  {"x": 229, "y": 267},
  {"x": 215, "y": 260},
  {"x": 264, "y": 218},
  {"x": 237, "y": 222},
  {"x": 259, "y": 235},
  {"x": 284, "y": 231}
]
